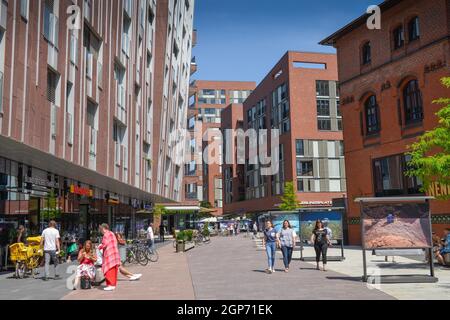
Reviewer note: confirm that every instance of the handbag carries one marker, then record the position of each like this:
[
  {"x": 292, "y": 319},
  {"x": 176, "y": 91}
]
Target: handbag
[{"x": 85, "y": 283}]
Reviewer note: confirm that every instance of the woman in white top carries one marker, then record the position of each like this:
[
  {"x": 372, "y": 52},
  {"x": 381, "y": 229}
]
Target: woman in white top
[{"x": 287, "y": 238}]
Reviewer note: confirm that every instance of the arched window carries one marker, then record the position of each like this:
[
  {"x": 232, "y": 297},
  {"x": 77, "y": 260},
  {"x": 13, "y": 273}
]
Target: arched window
[
  {"x": 413, "y": 29},
  {"x": 372, "y": 115},
  {"x": 366, "y": 53},
  {"x": 412, "y": 99}
]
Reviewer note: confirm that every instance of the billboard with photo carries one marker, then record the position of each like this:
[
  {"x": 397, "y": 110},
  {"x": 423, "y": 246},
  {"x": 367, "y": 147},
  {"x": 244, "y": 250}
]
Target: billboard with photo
[
  {"x": 396, "y": 226},
  {"x": 293, "y": 219},
  {"x": 331, "y": 220}
]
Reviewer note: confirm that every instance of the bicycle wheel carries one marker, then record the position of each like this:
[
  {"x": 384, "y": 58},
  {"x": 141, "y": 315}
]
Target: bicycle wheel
[
  {"x": 152, "y": 255},
  {"x": 199, "y": 240},
  {"x": 20, "y": 270},
  {"x": 142, "y": 257},
  {"x": 131, "y": 256}
]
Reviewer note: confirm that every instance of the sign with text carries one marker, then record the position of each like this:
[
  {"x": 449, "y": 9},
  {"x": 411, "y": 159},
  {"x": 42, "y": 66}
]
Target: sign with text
[{"x": 81, "y": 191}]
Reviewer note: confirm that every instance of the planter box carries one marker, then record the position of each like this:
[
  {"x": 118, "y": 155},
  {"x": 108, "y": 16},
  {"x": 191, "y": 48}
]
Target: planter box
[{"x": 185, "y": 246}]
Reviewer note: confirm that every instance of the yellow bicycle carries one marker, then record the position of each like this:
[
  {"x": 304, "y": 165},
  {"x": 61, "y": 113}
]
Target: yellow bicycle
[{"x": 27, "y": 258}]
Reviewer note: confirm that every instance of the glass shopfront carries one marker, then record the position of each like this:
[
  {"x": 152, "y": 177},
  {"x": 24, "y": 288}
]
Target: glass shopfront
[{"x": 32, "y": 197}]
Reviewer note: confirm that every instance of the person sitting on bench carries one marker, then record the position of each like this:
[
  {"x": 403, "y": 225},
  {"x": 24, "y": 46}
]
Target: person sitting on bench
[
  {"x": 86, "y": 269},
  {"x": 440, "y": 255}
]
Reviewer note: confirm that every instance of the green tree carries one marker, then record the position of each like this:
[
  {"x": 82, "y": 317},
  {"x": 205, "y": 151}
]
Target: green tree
[
  {"x": 289, "y": 198},
  {"x": 430, "y": 155},
  {"x": 158, "y": 211},
  {"x": 206, "y": 205}
]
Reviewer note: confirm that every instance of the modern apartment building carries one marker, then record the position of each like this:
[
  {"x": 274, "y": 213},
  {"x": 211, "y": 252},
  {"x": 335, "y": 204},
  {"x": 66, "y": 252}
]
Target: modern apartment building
[
  {"x": 388, "y": 80},
  {"x": 88, "y": 100},
  {"x": 203, "y": 181},
  {"x": 300, "y": 98}
]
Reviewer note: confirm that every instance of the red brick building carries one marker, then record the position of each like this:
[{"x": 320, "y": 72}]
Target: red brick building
[
  {"x": 388, "y": 80},
  {"x": 300, "y": 97},
  {"x": 86, "y": 110},
  {"x": 203, "y": 183}
]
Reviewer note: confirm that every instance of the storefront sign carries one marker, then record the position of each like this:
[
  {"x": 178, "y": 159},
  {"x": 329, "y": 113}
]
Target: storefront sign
[
  {"x": 41, "y": 182},
  {"x": 438, "y": 190},
  {"x": 316, "y": 203},
  {"x": 113, "y": 200},
  {"x": 81, "y": 191}
]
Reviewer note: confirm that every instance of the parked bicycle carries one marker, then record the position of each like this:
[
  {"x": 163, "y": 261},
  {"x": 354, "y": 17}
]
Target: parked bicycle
[{"x": 136, "y": 253}]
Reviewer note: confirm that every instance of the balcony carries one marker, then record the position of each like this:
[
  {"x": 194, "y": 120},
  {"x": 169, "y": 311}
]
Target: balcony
[{"x": 193, "y": 66}]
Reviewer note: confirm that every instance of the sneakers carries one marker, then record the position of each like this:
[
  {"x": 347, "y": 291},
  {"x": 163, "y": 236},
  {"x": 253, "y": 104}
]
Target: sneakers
[
  {"x": 273, "y": 270},
  {"x": 136, "y": 277},
  {"x": 109, "y": 288},
  {"x": 268, "y": 271}
]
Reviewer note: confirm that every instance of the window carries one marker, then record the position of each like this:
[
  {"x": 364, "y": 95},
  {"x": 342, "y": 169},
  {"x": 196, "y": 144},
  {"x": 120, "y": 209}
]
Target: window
[
  {"x": 323, "y": 108},
  {"x": 50, "y": 23},
  {"x": 371, "y": 112},
  {"x": 52, "y": 85},
  {"x": 389, "y": 178},
  {"x": 24, "y": 5},
  {"x": 399, "y": 37},
  {"x": 73, "y": 48},
  {"x": 366, "y": 53},
  {"x": 322, "y": 88},
  {"x": 300, "y": 147},
  {"x": 414, "y": 29},
  {"x": 412, "y": 102},
  {"x": 305, "y": 168},
  {"x": 338, "y": 108},
  {"x": 324, "y": 124}
]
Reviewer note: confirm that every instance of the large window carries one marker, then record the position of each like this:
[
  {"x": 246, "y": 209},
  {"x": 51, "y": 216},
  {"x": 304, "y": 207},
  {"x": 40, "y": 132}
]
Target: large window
[
  {"x": 412, "y": 102},
  {"x": 372, "y": 118},
  {"x": 366, "y": 53},
  {"x": 51, "y": 25},
  {"x": 323, "y": 88},
  {"x": 414, "y": 29},
  {"x": 300, "y": 147},
  {"x": 323, "y": 108},
  {"x": 305, "y": 168},
  {"x": 389, "y": 177}
]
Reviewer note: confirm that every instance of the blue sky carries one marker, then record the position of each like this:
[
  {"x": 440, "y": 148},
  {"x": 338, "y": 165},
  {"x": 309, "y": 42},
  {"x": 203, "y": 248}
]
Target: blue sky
[{"x": 243, "y": 39}]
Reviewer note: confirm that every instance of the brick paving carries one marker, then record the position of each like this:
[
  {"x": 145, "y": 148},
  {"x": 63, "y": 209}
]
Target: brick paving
[
  {"x": 227, "y": 269},
  {"x": 168, "y": 279},
  {"x": 233, "y": 269}
]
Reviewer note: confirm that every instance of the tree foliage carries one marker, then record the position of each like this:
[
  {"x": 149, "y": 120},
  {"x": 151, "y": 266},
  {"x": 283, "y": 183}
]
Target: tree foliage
[
  {"x": 289, "y": 198},
  {"x": 431, "y": 153}
]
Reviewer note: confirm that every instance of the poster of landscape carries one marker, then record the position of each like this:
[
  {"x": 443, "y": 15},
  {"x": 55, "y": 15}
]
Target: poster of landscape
[
  {"x": 396, "y": 226},
  {"x": 331, "y": 219}
]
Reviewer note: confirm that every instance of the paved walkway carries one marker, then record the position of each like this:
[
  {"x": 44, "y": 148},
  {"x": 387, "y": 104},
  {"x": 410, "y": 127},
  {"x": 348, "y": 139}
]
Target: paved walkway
[
  {"x": 168, "y": 279},
  {"x": 233, "y": 269}
]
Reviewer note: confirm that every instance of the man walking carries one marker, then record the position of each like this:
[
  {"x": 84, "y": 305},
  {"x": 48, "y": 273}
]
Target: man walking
[
  {"x": 162, "y": 231},
  {"x": 151, "y": 237},
  {"x": 50, "y": 241}
]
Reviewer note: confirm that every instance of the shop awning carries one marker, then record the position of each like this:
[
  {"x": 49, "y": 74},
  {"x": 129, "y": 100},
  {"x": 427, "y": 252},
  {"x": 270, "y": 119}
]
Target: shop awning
[
  {"x": 17, "y": 151},
  {"x": 182, "y": 208}
]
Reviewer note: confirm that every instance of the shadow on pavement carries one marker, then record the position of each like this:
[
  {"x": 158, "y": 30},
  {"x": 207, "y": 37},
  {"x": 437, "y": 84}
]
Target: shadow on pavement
[{"x": 354, "y": 279}]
